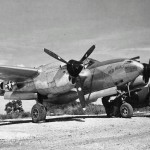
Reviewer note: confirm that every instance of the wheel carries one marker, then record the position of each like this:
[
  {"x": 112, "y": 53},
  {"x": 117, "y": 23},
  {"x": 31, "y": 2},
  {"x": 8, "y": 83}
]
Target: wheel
[
  {"x": 38, "y": 113},
  {"x": 126, "y": 110}
]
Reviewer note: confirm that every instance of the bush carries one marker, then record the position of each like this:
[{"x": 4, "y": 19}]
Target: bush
[
  {"x": 95, "y": 109},
  {"x": 76, "y": 110},
  {"x": 14, "y": 106}
]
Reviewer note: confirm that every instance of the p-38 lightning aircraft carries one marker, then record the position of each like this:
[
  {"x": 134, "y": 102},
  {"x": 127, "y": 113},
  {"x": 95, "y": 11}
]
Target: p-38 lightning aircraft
[{"x": 86, "y": 80}]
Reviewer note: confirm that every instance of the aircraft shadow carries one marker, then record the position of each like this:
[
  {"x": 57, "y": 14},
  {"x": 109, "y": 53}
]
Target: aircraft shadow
[
  {"x": 53, "y": 119},
  {"x": 74, "y": 118}
]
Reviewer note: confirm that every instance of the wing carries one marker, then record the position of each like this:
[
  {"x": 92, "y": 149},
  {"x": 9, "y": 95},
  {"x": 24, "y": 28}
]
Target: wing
[{"x": 17, "y": 73}]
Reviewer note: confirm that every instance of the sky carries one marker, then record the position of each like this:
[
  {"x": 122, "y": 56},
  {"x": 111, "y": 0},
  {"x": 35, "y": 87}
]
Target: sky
[{"x": 69, "y": 27}]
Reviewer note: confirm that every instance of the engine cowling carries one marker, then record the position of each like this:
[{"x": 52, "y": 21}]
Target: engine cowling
[{"x": 138, "y": 83}]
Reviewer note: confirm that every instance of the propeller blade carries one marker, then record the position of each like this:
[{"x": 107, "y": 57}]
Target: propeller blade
[
  {"x": 80, "y": 92},
  {"x": 88, "y": 53},
  {"x": 73, "y": 67},
  {"x": 52, "y": 54},
  {"x": 134, "y": 58}
]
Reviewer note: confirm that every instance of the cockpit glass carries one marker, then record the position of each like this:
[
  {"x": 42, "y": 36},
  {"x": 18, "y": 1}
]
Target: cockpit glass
[
  {"x": 88, "y": 62},
  {"x": 128, "y": 62}
]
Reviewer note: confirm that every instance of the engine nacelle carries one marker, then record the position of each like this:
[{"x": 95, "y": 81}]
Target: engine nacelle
[
  {"x": 143, "y": 95},
  {"x": 138, "y": 83}
]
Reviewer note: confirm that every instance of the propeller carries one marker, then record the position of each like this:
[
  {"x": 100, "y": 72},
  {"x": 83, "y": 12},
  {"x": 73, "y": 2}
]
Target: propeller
[
  {"x": 74, "y": 68},
  {"x": 146, "y": 72}
]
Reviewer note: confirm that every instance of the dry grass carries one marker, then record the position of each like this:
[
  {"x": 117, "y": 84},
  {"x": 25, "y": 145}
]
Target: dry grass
[
  {"x": 15, "y": 115},
  {"x": 75, "y": 109},
  {"x": 67, "y": 109}
]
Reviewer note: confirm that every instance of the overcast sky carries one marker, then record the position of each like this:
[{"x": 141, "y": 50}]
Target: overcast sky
[
  {"x": 70, "y": 27},
  {"x": 118, "y": 28}
]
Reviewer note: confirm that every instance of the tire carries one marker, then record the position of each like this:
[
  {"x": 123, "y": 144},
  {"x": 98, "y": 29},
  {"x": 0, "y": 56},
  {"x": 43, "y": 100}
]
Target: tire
[
  {"x": 44, "y": 113},
  {"x": 126, "y": 110},
  {"x": 38, "y": 113}
]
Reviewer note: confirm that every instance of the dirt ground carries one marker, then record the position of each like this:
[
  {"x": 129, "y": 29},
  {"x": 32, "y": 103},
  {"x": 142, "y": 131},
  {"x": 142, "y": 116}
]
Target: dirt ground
[{"x": 70, "y": 133}]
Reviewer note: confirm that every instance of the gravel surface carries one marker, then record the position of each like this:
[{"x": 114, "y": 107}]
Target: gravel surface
[{"x": 69, "y": 133}]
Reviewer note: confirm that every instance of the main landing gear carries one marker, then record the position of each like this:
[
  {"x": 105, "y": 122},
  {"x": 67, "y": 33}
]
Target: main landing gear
[
  {"x": 118, "y": 107},
  {"x": 126, "y": 110},
  {"x": 38, "y": 112}
]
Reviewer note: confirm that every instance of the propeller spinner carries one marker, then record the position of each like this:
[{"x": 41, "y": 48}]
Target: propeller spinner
[{"x": 74, "y": 68}]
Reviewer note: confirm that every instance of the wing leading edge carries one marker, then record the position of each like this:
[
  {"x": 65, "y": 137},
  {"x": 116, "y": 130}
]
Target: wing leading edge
[{"x": 17, "y": 73}]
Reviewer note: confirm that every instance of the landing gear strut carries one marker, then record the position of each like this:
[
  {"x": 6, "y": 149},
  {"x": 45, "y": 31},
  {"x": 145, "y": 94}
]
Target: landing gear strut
[
  {"x": 118, "y": 107},
  {"x": 38, "y": 112},
  {"x": 126, "y": 110}
]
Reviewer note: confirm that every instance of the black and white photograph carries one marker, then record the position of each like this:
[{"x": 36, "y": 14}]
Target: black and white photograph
[{"x": 74, "y": 74}]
